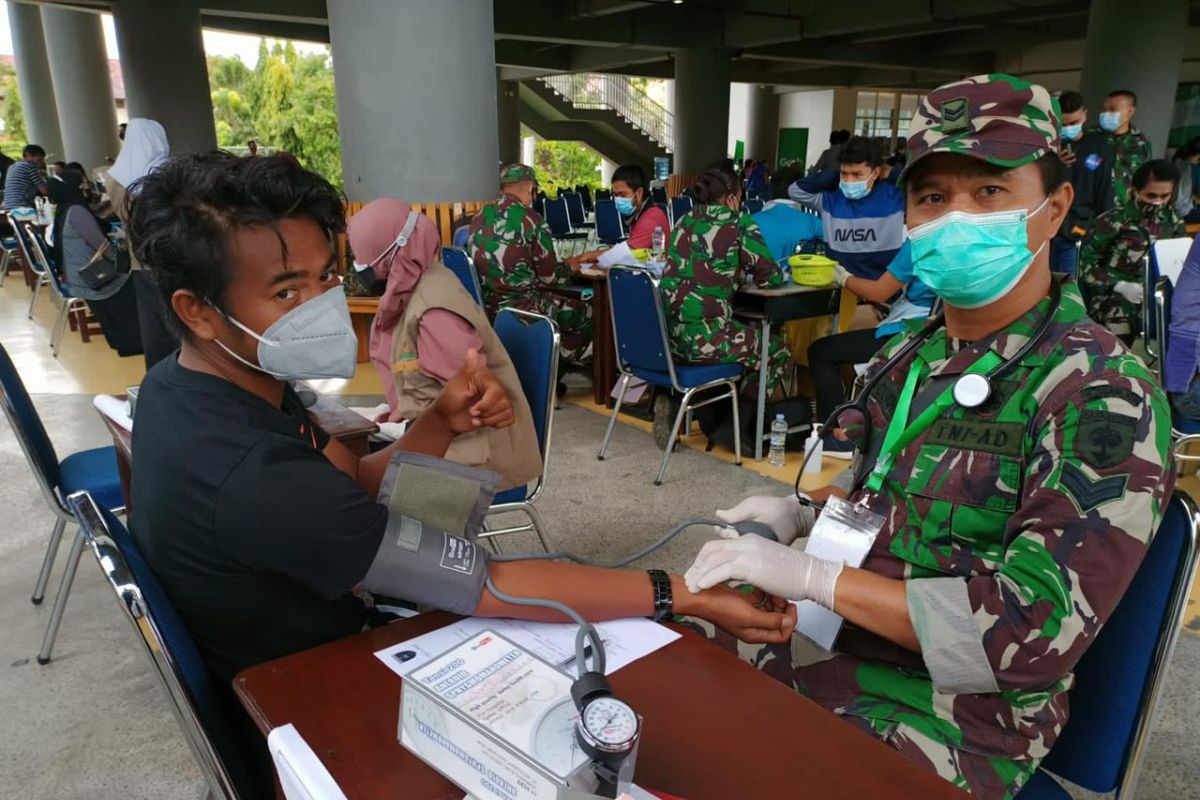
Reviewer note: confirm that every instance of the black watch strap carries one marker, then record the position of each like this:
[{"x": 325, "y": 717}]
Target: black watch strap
[{"x": 664, "y": 600}]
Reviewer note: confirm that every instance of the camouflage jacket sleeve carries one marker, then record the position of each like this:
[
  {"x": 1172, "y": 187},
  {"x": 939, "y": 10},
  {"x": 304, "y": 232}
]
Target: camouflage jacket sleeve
[
  {"x": 1094, "y": 255},
  {"x": 754, "y": 256},
  {"x": 541, "y": 253},
  {"x": 1095, "y": 486}
]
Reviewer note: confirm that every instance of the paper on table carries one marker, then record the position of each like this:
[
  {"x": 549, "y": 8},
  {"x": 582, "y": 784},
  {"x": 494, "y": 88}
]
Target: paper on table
[
  {"x": 625, "y": 641},
  {"x": 114, "y": 409},
  {"x": 617, "y": 254},
  {"x": 302, "y": 776}
]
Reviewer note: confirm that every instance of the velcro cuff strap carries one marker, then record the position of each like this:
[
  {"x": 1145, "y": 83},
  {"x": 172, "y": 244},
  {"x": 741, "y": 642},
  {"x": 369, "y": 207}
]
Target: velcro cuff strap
[{"x": 437, "y": 493}]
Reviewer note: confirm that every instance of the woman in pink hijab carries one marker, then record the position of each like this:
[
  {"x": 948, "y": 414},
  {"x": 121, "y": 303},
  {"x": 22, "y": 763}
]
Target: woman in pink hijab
[{"x": 424, "y": 329}]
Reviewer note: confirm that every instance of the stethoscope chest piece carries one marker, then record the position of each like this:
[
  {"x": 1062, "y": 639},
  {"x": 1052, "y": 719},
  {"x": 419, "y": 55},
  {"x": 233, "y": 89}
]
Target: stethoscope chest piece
[{"x": 972, "y": 390}]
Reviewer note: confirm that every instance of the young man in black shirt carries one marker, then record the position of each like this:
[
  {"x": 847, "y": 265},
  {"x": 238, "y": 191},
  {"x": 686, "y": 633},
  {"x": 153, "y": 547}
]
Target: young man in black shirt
[
  {"x": 1091, "y": 160},
  {"x": 257, "y": 523}
]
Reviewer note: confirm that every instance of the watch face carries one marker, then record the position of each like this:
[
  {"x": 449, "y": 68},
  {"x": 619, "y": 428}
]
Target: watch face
[{"x": 610, "y": 722}]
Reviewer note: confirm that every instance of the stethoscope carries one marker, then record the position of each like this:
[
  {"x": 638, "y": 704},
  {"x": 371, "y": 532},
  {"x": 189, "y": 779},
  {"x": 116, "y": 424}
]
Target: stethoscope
[{"x": 971, "y": 389}]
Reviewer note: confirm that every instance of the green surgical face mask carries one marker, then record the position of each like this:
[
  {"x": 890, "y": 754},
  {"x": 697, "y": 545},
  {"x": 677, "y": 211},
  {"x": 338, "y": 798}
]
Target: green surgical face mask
[{"x": 971, "y": 260}]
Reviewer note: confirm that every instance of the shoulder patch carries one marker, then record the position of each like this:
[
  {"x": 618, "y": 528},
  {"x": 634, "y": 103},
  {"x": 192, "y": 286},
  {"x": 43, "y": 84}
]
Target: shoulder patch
[
  {"x": 1103, "y": 438},
  {"x": 1088, "y": 493},
  {"x": 1118, "y": 392}
]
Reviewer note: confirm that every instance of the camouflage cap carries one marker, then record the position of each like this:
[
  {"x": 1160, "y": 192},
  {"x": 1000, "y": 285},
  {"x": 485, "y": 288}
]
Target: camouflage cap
[
  {"x": 515, "y": 173},
  {"x": 1000, "y": 119}
]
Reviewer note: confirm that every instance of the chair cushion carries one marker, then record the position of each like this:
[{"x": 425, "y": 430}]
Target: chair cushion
[
  {"x": 515, "y": 495},
  {"x": 691, "y": 375},
  {"x": 94, "y": 471},
  {"x": 1042, "y": 787}
]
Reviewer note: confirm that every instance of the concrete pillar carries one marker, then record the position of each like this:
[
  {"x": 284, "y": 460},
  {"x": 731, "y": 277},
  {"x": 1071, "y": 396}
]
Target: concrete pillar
[
  {"x": 82, "y": 89},
  {"x": 395, "y": 63},
  {"x": 762, "y": 116},
  {"x": 528, "y": 147},
  {"x": 607, "y": 168},
  {"x": 166, "y": 75},
  {"x": 33, "y": 78},
  {"x": 701, "y": 107},
  {"x": 1142, "y": 52},
  {"x": 508, "y": 117}
]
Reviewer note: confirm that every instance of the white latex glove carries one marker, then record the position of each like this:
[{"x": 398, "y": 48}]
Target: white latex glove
[
  {"x": 773, "y": 567},
  {"x": 840, "y": 274},
  {"x": 1133, "y": 292},
  {"x": 786, "y": 516}
]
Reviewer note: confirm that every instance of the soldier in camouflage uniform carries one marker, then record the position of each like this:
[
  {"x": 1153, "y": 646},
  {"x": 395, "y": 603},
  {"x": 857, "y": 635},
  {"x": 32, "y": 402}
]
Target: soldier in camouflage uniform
[
  {"x": 1110, "y": 261},
  {"x": 713, "y": 250},
  {"x": 1130, "y": 146},
  {"x": 1010, "y": 530},
  {"x": 514, "y": 256}
]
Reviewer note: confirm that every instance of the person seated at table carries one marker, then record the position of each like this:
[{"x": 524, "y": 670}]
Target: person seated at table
[
  {"x": 265, "y": 533},
  {"x": 1111, "y": 258},
  {"x": 641, "y": 215},
  {"x": 514, "y": 256},
  {"x": 1183, "y": 341},
  {"x": 25, "y": 180},
  {"x": 909, "y": 299},
  {"x": 425, "y": 327},
  {"x": 716, "y": 248},
  {"x": 784, "y": 227},
  {"x": 79, "y": 241},
  {"x": 997, "y": 557},
  {"x": 862, "y": 214}
]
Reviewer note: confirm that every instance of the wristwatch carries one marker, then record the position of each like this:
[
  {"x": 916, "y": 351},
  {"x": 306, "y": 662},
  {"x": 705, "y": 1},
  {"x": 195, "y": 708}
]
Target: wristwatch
[{"x": 664, "y": 600}]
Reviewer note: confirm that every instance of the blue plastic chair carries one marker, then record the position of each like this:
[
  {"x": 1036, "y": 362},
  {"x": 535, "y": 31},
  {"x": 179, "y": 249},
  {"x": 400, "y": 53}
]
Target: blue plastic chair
[
  {"x": 603, "y": 194},
  {"x": 753, "y": 206},
  {"x": 532, "y": 342},
  {"x": 68, "y": 304},
  {"x": 457, "y": 261},
  {"x": 680, "y": 207},
  {"x": 94, "y": 471},
  {"x": 17, "y": 223},
  {"x": 643, "y": 351},
  {"x": 1165, "y": 259},
  {"x": 1184, "y": 431},
  {"x": 196, "y": 698},
  {"x": 610, "y": 228},
  {"x": 8, "y": 248},
  {"x": 576, "y": 211},
  {"x": 1120, "y": 678}
]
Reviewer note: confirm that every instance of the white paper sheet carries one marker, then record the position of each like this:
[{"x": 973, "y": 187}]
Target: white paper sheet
[
  {"x": 301, "y": 774},
  {"x": 114, "y": 409},
  {"x": 625, "y": 641}
]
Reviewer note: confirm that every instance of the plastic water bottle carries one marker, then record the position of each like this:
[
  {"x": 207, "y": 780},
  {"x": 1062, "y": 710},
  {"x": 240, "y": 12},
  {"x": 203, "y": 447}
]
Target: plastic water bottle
[
  {"x": 658, "y": 241},
  {"x": 779, "y": 431}
]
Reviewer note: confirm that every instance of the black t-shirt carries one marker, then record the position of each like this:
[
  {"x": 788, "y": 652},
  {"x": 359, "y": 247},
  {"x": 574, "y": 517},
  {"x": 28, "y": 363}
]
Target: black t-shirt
[
  {"x": 1091, "y": 175},
  {"x": 255, "y": 536}
]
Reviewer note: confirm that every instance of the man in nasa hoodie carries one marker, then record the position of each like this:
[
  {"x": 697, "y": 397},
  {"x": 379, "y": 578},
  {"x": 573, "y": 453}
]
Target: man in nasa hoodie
[{"x": 863, "y": 216}]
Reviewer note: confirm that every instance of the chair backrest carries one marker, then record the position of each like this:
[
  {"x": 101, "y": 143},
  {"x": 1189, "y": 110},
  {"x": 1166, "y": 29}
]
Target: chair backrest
[
  {"x": 532, "y": 342},
  {"x": 37, "y": 246},
  {"x": 639, "y": 324},
  {"x": 1164, "y": 292},
  {"x": 458, "y": 262},
  {"x": 1120, "y": 678},
  {"x": 22, "y": 243},
  {"x": 575, "y": 210},
  {"x": 659, "y": 195},
  {"x": 680, "y": 206},
  {"x": 610, "y": 228},
  {"x": 1168, "y": 256},
  {"x": 206, "y": 720},
  {"x": 585, "y": 193},
  {"x": 1165, "y": 259},
  {"x": 557, "y": 216},
  {"x": 603, "y": 194},
  {"x": 753, "y": 206},
  {"x": 28, "y": 428}
]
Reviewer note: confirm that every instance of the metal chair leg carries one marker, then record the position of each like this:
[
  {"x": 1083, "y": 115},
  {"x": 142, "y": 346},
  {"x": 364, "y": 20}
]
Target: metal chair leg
[
  {"x": 60, "y": 602},
  {"x": 612, "y": 421},
  {"x": 60, "y": 327},
  {"x": 662, "y": 468},
  {"x": 4, "y": 260},
  {"x": 37, "y": 284},
  {"x": 737, "y": 425},
  {"x": 39, "y": 588},
  {"x": 536, "y": 519}
]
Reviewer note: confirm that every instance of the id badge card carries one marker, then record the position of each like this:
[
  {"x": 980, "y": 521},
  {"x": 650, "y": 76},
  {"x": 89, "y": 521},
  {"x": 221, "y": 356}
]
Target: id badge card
[{"x": 843, "y": 532}]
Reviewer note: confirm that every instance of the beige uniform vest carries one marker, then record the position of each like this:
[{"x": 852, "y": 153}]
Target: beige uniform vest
[{"x": 513, "y": 451}]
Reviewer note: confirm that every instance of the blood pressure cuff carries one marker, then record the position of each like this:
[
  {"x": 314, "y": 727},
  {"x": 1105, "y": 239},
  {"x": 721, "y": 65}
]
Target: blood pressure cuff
[
  {"x": 437, "y": 493},
  {"x": 428, "y": 566}
]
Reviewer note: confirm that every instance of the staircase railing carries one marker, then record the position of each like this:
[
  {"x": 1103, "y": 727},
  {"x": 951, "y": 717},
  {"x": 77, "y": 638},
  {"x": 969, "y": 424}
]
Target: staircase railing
[{"x": 618, "y": 94}]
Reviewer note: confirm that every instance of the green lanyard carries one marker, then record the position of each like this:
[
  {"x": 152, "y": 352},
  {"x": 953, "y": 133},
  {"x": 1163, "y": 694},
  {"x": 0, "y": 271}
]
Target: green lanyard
[{"x": 900, "y": 433}]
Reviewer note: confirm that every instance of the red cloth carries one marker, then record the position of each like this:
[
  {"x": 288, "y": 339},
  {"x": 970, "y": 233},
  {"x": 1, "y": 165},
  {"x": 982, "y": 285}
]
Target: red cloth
[{"x": 642, "y": 232}]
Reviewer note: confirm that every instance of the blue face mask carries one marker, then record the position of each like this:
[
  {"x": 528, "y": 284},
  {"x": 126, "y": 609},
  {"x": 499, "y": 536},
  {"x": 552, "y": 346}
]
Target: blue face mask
[
  {"x": 971, "y": 260},
  {"x": 854, "y": 190},
  {"x": 1072, "y": 132},
  {"x": 1110, "y": 120},
  {"x": 624, "y": 205}
]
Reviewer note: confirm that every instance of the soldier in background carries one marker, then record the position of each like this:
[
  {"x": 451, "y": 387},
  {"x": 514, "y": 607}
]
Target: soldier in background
[
  {"x": 1130, "y": 146},
  {"x": 514, "y": 256},
  {"x": 1009, "y": 530},
  {"x": 1110, "y": 263}
]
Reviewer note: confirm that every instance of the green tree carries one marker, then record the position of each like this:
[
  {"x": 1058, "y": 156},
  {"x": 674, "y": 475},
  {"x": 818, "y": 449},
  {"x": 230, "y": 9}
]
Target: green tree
[
  {"x": 14, "y": 114},
  {"x": 566, "y": 165}
]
